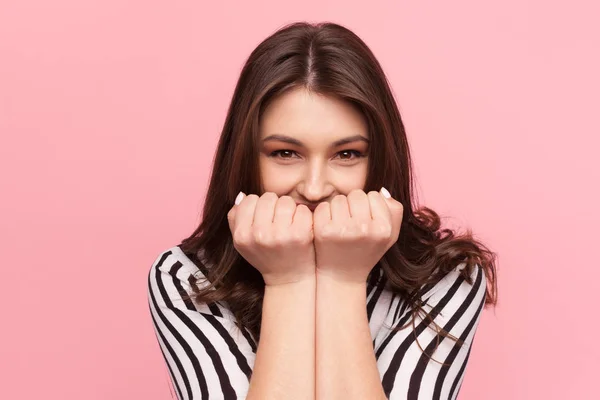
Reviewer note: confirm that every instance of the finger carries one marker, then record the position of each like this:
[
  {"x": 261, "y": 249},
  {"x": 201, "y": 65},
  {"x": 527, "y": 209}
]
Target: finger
[
  {"x": 284, "y": 210},
  {"x": 340, "y": 210},
  {"x": 233, "y": 211},
  {"x": 244, "y": 212},
  {"x": 231, "y": 215},
  {"x": 321, "y": 215},
  {"x": 380, "y": 211},
  {"x": 231, "y": 218},
  {"x": 303, "y": 217},
  {"x": 264, "y": 212},
  {"x": 360, "y": 207},
  {"x": 396, "y": 210}
]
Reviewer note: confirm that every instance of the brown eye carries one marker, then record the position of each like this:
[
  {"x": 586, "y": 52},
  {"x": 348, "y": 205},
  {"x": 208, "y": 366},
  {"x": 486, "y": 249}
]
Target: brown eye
[
  {"x": 280, "y": 153},
  {"x": 357, "y": 154}
]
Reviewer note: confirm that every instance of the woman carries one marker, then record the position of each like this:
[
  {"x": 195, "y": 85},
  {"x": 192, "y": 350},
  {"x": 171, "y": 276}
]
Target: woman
[{"x": 312, "y": 273}]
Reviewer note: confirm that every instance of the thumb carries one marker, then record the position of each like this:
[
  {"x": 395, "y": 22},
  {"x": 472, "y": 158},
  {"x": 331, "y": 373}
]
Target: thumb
[{"x": 396, "y": 209}]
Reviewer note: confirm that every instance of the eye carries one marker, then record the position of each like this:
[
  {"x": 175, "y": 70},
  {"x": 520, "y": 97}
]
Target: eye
[
  {"x": 277, "y": 153},
  {"x": 356, "y": 153},
  {"x": 345, "y": 155}
]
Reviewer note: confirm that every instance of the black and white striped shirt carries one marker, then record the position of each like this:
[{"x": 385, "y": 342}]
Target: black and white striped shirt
[{"x": 209, "y": 357}]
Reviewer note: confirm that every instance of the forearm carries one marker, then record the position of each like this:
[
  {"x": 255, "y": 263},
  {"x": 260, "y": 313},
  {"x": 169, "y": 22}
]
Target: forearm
[
  {"x": 284, "y": 367},
  {"x": 346, "y": 367}
]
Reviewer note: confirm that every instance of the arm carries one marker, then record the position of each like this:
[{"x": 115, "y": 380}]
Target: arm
[
  {"x": 346, "y": 366},
  {"x": 209, "y": 357},
  {"x": 285, "y": 360},
  {"x": 205, "y": 352},
  {"x": 267, "y": 231},
  {"x": 409, "y": 373}
]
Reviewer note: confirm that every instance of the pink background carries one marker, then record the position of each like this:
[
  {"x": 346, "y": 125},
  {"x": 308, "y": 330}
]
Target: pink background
[{"x": 110, "y": 112}]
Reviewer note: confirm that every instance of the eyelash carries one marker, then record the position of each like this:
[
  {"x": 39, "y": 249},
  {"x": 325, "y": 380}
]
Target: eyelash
[{"x": 356, "y": 153}]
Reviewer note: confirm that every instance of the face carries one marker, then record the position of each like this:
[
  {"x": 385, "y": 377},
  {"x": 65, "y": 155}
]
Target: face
[{"x": 312, "y": 147}]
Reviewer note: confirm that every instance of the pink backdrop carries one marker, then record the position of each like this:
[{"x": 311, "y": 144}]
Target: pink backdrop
[{"x": 110, "y": 112}]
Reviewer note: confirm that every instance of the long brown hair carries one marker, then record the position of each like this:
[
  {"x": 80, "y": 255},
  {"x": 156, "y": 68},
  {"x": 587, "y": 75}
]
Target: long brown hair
[{"x": 328, "y": 59}]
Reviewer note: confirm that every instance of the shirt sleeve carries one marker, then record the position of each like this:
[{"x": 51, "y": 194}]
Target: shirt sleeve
[
  {"x": 407, "y": 372},
  {"x": 206, "y": 354}
]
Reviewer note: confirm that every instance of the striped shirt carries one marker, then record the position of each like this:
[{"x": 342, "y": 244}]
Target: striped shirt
[{"x": 207, "y": 356}]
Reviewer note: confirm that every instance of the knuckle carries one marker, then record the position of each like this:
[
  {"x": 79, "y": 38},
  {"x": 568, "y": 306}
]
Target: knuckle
[
  {"x": 373, "y": 194},
  {"x": 286, "y": 202},
  {"x": 383, "y": 232},
  {"x": 241, "y": 238},
  {"x": 269, "y": 195},
  {"x": 304, "y": 241},
  {"x": 300, "y": 236},
  {"x": 356, "y": 193},
  {"x": 302, "y": 211},
  {"x": 364, "y": 230},
  {"x": 261, "y": 238},
  {"x": 286, "y": 198},
  {"x": 325, "y": 233},
  {"x": 339, "y": 199},
  {"x": 283, "y": 238}
]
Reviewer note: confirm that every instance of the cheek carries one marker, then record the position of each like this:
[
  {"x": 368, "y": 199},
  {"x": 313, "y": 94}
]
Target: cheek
[
  {"x": 350, "y": 179},
  {"x": 275, "y": 178}
]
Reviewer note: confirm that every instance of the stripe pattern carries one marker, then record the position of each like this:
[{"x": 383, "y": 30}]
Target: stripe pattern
[{"x": 208, "y": 357}]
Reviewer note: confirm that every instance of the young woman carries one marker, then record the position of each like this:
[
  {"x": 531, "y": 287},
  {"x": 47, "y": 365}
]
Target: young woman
[{"x": 313, "y": 274}]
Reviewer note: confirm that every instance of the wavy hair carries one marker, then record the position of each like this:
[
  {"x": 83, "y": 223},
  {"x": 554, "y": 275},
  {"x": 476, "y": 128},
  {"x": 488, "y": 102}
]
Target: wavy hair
[{"x": 328, "y": 59}]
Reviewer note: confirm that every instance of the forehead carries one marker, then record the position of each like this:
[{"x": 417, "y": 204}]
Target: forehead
[{"x": 311, "y": 116}]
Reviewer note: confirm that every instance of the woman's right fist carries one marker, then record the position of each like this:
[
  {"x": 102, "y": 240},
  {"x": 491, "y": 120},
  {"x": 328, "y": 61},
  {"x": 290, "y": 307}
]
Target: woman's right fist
[{"x": 275, "y": 236}]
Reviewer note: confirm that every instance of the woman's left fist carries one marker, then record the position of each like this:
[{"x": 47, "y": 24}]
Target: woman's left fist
[{"x": 353, "y": 232}]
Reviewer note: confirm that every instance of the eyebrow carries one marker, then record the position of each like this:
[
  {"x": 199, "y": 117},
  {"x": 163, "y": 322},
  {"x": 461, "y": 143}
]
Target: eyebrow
[{"x": 291, "y": 140}]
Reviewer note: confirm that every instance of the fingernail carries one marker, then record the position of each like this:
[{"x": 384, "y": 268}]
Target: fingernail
[
  {"x": 239, "y": 198},
  {"x": 385, "y": 193}
]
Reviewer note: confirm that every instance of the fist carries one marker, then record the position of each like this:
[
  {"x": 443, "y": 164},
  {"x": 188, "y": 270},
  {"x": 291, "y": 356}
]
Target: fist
[
  {"x": 354, "y": 232},
  {"x": 275, "y": 236}
]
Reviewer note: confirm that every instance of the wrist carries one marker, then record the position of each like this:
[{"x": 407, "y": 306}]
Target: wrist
[
  {"x": 340, "y": 278},
  {"x": 290, "y": 282},
  {"x": 339, "y": 294}
]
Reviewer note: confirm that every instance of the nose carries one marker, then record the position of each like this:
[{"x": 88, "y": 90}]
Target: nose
[{"x": 315, "y": 186}]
